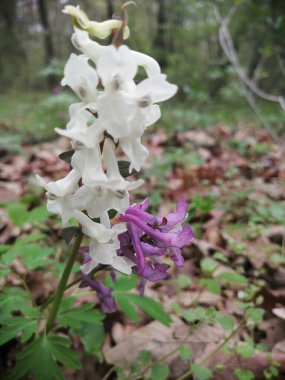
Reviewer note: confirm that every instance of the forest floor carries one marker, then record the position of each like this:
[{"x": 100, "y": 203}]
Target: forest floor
[{"x": 234, "y": 181}]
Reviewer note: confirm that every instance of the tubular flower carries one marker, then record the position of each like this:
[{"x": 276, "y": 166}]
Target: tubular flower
[
  {"x": 149, "y": 237},
  {"x": 104, "y": 294}
]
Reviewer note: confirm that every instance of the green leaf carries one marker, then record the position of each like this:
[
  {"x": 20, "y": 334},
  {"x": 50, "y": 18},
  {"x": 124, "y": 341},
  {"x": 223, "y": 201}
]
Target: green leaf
[
  {"x": 38, "y": 214},
  {"x": 244, "y": 374},
  {"x": 221, "y": 257},
  {"x": 22, "y": 240},
  {"x": 125, "y": 283},
  {"x": 254, "y": 316},
  {"x": 226, "y": 321},
  {"x": 13, "y": 299},
  {"x": 34, "y": 255},
  {"x": 68, "y": 233},
  {"x": 77, "y": 316},
  {"x": 4, "y": 272},
  {"x": 159, "y": 372},
  {"x": 208, "y": 266},
  {"x": 18, "y": 213},
  {"x": 211, "y": 284},
  {"x": 4, "y": 248},
  {"x": 198, "y": 314},
  {"x": 126, "y": 306},
  {"x": 59, "y": 347},
  {"x": 66, "y": 156},
  {"x": 232, "y": 277},
  {"x": 183, "y": 281},
  {"x": 13, "y": 326},
  {"x": 185, "y": 353},
  {"x": 145, "y": 357},
  {"x": 25, "y": 360},
  {"x": 201, "y": 372},
  {"x": 244, "y": 349},
  {"x": 151, "y": 307},
  {"x": 92, "y": 337},
  {"x": 39, "y": 358}
]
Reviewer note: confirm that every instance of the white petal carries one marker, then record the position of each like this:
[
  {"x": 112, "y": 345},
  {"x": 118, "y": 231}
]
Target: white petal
[
  {"x": 116, "y": 109},
  {"x": 90, "y": 48},
  {"x": 157, "y": 88},
  {"x": 150, "y": 65},
  {"x": 111, "y": 162},
  {"x": 116, "y": 62},
  {"x": 135, "y": 151},
  {"x": 101, "y": 253},
  {"x": 122, "y": 264},
  {"x": 89, "y": 163},
  {"x": 65, "y": 185},
  {"x": 89, "y": 266},
  {"x": 81, "y": 77},
  {"x": 94, "y": 230}
]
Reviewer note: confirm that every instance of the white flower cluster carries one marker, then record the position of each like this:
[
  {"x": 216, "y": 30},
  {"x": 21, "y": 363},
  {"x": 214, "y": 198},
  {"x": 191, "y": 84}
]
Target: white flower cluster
[{"x": 113, "y": 111}]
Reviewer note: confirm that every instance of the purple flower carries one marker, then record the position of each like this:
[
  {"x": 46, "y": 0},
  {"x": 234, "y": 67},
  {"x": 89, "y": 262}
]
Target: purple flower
[
  {"x": 104, "y": 294},
  {"x": 149, "y": 237}
]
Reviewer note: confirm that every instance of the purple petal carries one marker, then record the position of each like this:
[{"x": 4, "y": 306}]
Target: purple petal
[
  {"x": 175, "y": 218},
  {"x": 163, "y": 239},
  {"x": 104, "y": 294},
  {"x": 150, "y": 250},
  {"x": 135, "y": 238},
  {"x": 176, "y": 256}
]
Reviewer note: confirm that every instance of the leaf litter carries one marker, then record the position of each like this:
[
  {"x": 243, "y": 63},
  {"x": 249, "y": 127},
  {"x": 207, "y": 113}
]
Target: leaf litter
[{"x": 235, "y": 183}]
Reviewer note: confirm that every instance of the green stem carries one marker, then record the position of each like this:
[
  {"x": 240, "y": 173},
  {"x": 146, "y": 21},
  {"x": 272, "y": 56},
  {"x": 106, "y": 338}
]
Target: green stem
[
  {"x": 63, "y": 281},
  {"x": 74, "y": 282}
]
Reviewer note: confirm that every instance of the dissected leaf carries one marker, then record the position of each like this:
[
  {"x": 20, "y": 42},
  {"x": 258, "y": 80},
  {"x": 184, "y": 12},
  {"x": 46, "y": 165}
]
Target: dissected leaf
[
  {"x": 125, "y": 283},
  {"x": 126, "y": 306},
  {"x": 13, "y": 299},
  {"x": 40, "y": 357},
  {"x": 75, "y": 317},
  {"x": 151, "y": 307}
]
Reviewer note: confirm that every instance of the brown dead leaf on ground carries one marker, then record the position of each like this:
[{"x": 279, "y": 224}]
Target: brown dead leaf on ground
[{"x": 160, "y": 340}]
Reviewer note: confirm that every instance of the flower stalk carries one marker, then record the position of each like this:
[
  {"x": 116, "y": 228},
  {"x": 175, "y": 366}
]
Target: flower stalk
[{"x": 63, "y": 281}]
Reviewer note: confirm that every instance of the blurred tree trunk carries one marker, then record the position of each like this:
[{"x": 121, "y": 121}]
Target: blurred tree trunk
[
  {"x": 13, "y": 55},
  {"x": 110, "y": 9},
  {"x": 49, "y": 51},
  {"x": 160, "y": 38},
  {"x": 8, "y": 12}
]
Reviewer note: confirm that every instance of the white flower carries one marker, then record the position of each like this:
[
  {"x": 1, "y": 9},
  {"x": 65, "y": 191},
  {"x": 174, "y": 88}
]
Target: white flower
[
  {"x": 83, "y": 136},
  {"x": 106, "y": 254},
  {"x": 59, "y": 195},
  {"x": 111, "y": 193},
  {"x": 81, "y": 77},
  {"x": 116, "y": 66},
  {"x": 127, "y": 112},
  {"x": 81, "y": 41},
  {"x": 95, "y": 230}
]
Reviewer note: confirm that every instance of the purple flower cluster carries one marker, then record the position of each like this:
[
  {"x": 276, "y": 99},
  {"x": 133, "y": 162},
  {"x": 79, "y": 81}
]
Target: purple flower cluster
[{"x": 148, "y": 238}]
